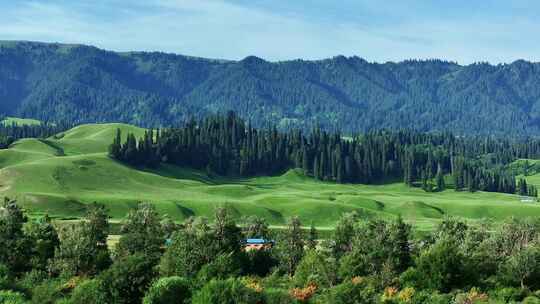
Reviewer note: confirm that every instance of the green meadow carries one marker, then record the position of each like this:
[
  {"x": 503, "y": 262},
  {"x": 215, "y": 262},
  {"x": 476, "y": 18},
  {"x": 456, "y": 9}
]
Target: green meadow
[
  {"x": 20, "y": 121},
  {"x": 64, "y": 173}
]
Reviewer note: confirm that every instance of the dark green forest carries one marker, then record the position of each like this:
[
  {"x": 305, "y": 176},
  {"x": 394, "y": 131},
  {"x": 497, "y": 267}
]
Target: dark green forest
[
  {"x": 77, "y": 83},
  {"x": 228, "y": 146},
  {"x": 10, "y": 133}
]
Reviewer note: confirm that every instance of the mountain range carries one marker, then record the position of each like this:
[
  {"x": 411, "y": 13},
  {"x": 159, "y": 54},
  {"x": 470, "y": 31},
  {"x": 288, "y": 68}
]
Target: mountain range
[{"x": 79, "y": 83}]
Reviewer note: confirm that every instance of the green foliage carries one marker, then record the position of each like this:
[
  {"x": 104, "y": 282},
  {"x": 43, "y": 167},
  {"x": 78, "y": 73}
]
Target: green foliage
[
  {"x": 128, "y": 279},
  {"x": 278, "y": 296},
  {"x": 89, "y": 292},
  {"x": 314, "y": 268},
  {"x": 190, "y": 249},
  {"x": 440, "y": 267},
  {"x": 230, "y": 291},
  {"x": 12, "y": 297},
  {"x": 255, "y": 227},
  {"x": 380, "y": 248},
  {"x": 221, "y": 267},
  {"x": 44, "y": 240},
  {"x": 5, "y": 277},
  {"x": 290, "y": 246},
  {"x": 142, "y": 233},
  {"x": 32, "y": 279},
  {"x": 523, "y": 268},
  {"x": 15, "y": 248},
  {"x": 79, "y": 253},
  {"x": 48, "y": 292},
  {"x": 352, "y": 293},
  {"x": 169, "y": 290}
]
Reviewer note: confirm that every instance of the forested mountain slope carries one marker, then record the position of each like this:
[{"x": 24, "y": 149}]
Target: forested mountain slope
[{"x": 54, "y": 82}]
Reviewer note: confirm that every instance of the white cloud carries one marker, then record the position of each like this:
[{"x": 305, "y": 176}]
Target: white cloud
[{"x": 219, "y": 29}]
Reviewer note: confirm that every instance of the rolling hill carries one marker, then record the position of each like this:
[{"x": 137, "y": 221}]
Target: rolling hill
[
  {"x": 62, "y": 174},
  {"x": 77, "y": 83}
]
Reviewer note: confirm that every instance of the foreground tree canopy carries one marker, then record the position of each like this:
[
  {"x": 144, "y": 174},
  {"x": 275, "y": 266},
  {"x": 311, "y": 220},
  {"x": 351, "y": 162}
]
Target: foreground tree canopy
[{"x": 362, "y": 261}]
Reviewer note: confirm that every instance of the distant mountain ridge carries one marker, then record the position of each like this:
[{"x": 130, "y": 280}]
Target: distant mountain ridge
[{"x": 86, "y": 84}]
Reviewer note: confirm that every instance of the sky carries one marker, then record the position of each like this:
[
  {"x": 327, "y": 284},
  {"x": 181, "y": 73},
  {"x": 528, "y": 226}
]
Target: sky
[{"x": 495, "y": 31}]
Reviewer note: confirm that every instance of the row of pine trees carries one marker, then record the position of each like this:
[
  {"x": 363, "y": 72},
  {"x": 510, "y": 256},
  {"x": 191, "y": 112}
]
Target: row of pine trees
[
  {"x": 226, "y": 145},
  {"x": 9, "y": 133}
]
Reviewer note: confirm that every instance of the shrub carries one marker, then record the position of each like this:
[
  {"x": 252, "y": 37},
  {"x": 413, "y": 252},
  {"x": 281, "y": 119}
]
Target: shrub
[
  {"x": 531, "y": 300},
  {"x": 230, "y": 291},
  {"x": 128, "y": 279},
  {"x": 11, "y": 297},
  {"x": 314, "y": 269},
  {"x": 222, "y": 267},
  {"x": 441, "y": 267},
  {"x": 32, "y": 279},
  {"x": 89, "y": 292},
  {"x": 352, "y": 292},
  {"x": 278, "y": 296},
  {"x": 5, "y": 280},
  {"x": 510, "y": 294},
  {"x": 48, "y": 292},
  {"x": 168, "y": 290}
]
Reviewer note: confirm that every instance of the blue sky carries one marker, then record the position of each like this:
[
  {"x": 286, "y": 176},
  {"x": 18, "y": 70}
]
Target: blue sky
[{"x": 457, "y": 30}]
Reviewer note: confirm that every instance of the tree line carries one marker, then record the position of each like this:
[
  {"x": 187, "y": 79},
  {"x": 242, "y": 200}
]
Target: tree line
[
  {"x": 9, "y": 133},
  {"x": 203, "y": 261},
  {"x": 227, "y": 145}
]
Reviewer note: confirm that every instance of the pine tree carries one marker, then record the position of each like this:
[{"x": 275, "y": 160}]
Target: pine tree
[
  {"x": 311, "y": 241},
  {"x": 305, "y": 161},
  {"x": 316, "y": 169},
  {"x": 116, "y": 146},
  {"x": 440, "y": 179}
]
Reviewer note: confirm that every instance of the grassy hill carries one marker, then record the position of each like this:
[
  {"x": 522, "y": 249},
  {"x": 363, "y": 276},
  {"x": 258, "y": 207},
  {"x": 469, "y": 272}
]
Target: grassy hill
[
  {"x": 20, "y": 121},
  {"x": 62, "y": 174}
]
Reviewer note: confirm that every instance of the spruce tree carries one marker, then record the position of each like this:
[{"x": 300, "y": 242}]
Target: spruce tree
[
  {"x": 440, "y": 179},
  {"x": 311, "y": 241}
]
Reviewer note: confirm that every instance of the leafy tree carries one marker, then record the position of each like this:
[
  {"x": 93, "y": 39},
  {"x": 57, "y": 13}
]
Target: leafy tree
[
  {"x": 228, "y": 235},
  {"x": 79, "y": 253},
  {"x": 44, "y": 240},
  {"x": 128, "y": 279},
  {"x": 311, "y": 241},
  {"x": 523, "y": 267},
  {"x": 169, "y": 290},
  {"x": 97, "y": 220},
  {"x": 256, "y": 227},
  {"x": 15, "y": 249},
  {"x": 142, "y": 233},
  {"x": 315, "y": 269},
  {"x": 89, "y": 292},
  {"x": 344, "y": 234},
  {"x": 291, "y": 246},
  {"x": 221, "y": 267},
  {"x": 83, "y": 247},
  {"x": 440, "y": 267},
  {"x": 12, "y": 297},
  {"x": 190, "y": 249},
  {"x": 230, "y": 291},
  {"x": 352, "y": 292}
]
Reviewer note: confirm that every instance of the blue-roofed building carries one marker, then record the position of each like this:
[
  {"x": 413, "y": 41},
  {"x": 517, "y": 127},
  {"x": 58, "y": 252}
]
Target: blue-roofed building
[{"x": 258, "y": 244}]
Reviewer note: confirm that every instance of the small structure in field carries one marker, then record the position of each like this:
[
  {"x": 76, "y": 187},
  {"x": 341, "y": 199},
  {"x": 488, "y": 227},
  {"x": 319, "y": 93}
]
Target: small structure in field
[
  {"x": 526, "y": 199},
  {"x": 258, "y": 244}
]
